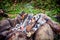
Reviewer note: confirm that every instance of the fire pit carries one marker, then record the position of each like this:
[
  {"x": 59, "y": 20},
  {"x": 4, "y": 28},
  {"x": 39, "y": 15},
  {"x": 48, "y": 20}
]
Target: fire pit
[{"x": 28, "y": 27}]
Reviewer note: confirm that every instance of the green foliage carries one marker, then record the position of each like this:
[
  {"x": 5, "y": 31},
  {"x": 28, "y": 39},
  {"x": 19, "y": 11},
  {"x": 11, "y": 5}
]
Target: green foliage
[
  {"x": 45, "y": 4},
  {"x": 49, "y": 6},
  {"x": 52, "y": 13}
]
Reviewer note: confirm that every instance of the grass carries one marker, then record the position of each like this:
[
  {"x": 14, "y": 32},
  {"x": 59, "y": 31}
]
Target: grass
[{"x": 14, "y": 10}]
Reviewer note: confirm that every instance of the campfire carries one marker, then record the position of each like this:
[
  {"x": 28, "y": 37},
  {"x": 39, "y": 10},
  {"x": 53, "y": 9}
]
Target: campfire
[{"x": 29, "y": 27}]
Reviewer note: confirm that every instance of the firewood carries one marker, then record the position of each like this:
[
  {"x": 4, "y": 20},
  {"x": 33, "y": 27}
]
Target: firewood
[
  {"x": 4, "y": 25},
  {"x": 44, "y": 33}
]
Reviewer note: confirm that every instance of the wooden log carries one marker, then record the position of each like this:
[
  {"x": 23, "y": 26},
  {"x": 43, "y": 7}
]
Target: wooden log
[
  {"x": 12, "y": 22},
  {"x": 44, "y": 33},
  {"x": 17, "y": 36},
  {"x": 4, "y": 25}
]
